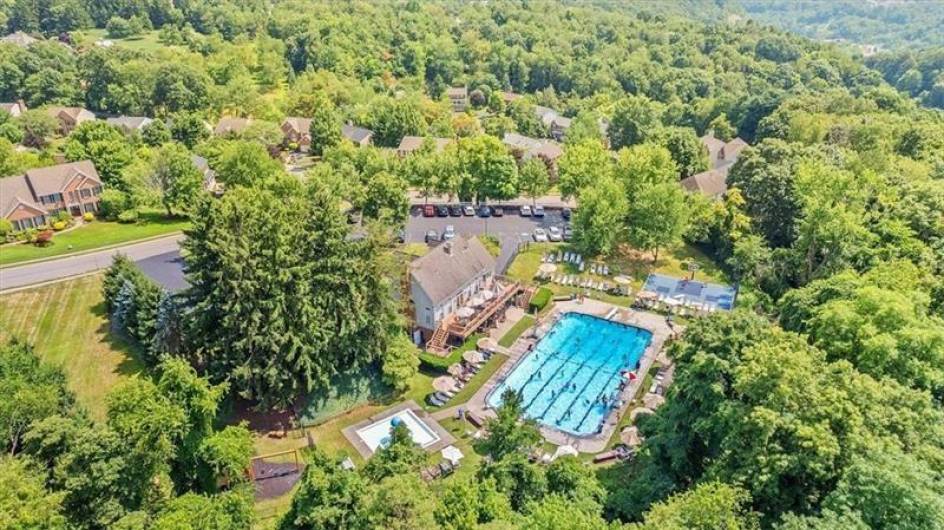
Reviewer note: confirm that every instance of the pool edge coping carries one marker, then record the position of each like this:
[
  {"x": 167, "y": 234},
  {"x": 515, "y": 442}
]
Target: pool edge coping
[{"x": 350, "y": 432}]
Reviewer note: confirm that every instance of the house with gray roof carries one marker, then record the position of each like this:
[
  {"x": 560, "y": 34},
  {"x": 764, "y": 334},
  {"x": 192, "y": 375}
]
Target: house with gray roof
[
  {"x": 69, "y": 117},
  {"x": 18, "y": 38},
  {"x": 409, "y": 144},
  {"x": 231, "y": 126},
  {"x": 129, "y": 124},
  {"x": 721, "y": 157},
  {"x": 524, "y": 147},
  {"x": 447, "y": 278},
  {"x": 556, "y": 124},
  {"x": 359, "y": 136},
  {"x": 14, "y": 109}
]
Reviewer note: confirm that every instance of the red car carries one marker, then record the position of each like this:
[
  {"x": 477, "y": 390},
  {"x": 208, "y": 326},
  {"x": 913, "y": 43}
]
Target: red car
[{"x": 429, "y": 211}]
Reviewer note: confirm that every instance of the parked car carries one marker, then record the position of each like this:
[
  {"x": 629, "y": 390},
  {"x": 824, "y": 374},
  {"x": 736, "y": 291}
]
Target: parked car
[
  {"x": 449, "y": 233},
  {"x": 539, "y": 211},
  {"x": 554, "y": 234},
  {"x": 485, "y": 211},
  {"x": 442, "y": 211},
  {"x": 525, "y": 211},
  {"x": 468, "y": 210},
  {"x": 416, "y": 210},
  {"x": 568, "y": 233},
  {"x": 429, "y": 211},
  {"x": 455, "y": 210},
  {"x": 565, "y": 213},
  {"x": 432, "y": 236},
  {"x": 540, "y": 235},
  {"x": 498, "y": 211}
]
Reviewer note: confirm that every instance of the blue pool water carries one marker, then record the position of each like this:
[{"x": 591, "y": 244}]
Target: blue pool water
[{"x": 571, "y": 368}]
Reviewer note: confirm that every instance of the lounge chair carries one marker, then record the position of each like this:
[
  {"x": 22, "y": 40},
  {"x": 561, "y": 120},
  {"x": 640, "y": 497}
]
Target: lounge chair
[
  {"x": 606, "y": 270},
  {"x": 434, "y": 400},
  {"x": 606, "y": 457},
  {"x": 581, "y": 267}
]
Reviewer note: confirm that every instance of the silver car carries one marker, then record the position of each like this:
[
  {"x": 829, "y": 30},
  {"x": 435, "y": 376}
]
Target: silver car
[
  {"x": 540, "y": 235},
  {"x": 554, "y": 234},
  {"x": 449, "y": 233}
]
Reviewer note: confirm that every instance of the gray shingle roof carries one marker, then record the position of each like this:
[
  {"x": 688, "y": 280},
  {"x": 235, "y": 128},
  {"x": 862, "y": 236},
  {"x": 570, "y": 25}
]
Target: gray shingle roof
[
  {"x": 53, "y": 179},
  {"x": 450, "y": 267},
  {"x": 710, "y": 183},
  {"x": 355, "y": 134}
]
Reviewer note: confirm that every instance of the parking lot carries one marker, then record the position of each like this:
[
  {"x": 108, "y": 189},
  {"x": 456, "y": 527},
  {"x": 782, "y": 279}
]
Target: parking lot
[{"x": 511, "y": 224}]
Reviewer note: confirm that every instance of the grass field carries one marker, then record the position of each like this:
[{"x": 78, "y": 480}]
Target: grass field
[
  {"x": 145, "y": 42},
  {"x": 509, "y": 338},
  {"x": 67, "y": 324},
  {"x": 94, "y": 235}
]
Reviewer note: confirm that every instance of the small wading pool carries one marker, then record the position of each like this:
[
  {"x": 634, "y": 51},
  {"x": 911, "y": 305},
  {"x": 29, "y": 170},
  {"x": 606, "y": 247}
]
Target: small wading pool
[
  {"x": 377, "y": 434},
  {"x": 570, "y": 381}
]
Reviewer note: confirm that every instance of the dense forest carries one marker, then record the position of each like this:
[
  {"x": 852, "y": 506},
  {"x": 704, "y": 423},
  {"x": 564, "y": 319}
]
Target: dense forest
[{"x": 817, "y": 404}]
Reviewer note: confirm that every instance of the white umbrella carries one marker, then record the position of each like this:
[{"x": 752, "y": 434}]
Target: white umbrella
[
  {"x": 455, "y": 369},
  {"x": 547, "y": 268},
  {"x": 630, "y": 436},
  {"x": 622, "y": 279},
  {"x": 633, "y": 414},
  {"x": 452, "y": 454},
  {"x": 476, "y": 301},
  {"x": 487, "y": 294},
  {"x": 565, "y": 450},
  {"x": 473, "y": 357},
  {"x": 672, "y": 301},
  {"x": 465, "y": 312},
  {"x": 653, "y": 401},
  {"x": 444, "y": 383}
]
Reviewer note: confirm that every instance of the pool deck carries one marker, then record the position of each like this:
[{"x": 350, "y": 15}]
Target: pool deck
[
  {"x": 445, "y": 438},
  {"x": 595, "y": 443}
]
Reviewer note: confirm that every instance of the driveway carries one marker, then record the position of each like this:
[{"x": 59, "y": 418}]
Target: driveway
[{"x": 57, "y": 269}]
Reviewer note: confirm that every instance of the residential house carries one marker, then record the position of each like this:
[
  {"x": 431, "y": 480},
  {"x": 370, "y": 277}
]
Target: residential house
[
  {"x": 360, "y": 136},
  {"x": 15, "y": 109},
  {"x": 129, "y": 124},
  {"x": 411, "y": 143},
  {"x": 556, "y": 124},
  {"x": 18, "y": 39},
  {"x": 69, "y": 117},
  {"x": 447, "y": 278},
  {"x": 510, "y": 97},
  {"x": 209, "y": 176},
  {"x": 458, "y": 97},
  {"x": 31, "y": 199},
  {"x": 525, "y": 147},
  {"x": 722, "y": 156},
  {"x": 297, "y": 131},
  {"x": 230, "y": 126}
]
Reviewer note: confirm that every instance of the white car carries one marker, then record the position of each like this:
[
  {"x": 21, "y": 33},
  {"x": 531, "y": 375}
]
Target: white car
[
  {"x": 554, "y": 234},
  {"x": 525, "y": 211},
  {"x": 449, "y": 233},
  {"x": 540, "y": 235},
  {"x": 539, "y": 211}
]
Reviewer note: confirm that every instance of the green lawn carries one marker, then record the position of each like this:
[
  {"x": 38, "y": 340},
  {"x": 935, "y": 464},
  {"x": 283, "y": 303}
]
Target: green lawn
[
  {"x": 509, "y": 338},
  {"x": 94, "y": 235},
  {"x": 454, "y": 356},
  {"x": 146, "y": 42},
  {"x": 628, "y": 262},
  {"x": 66, "y": 323}
]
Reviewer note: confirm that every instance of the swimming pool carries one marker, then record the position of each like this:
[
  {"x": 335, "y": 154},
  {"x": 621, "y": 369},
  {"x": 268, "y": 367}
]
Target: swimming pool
[
  {"x": 377, "y": 434},
  {"x": 571, "y": 368}
]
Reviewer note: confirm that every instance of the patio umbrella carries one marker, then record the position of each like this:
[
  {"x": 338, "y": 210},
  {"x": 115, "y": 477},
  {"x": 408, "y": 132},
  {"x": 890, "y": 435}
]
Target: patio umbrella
[
  {"x": 547, "y": 268},
  {"x": 625, "y": 280},
  {"x": 630, "y": 436},
  {"x": 672, "y": 301},
  {"x": 639, "y": 410},
  {"x": 452, "y": 454},
  {"x": 653, "y": 401},
  {"x": 455, "y": 369},
  {"x": 444, "y": 383},
  {"x": 465, "y": 312},
  {"x": 564, "y": 450},
  {"x": 647, "y": 295},
  {"x": 473, "y": 357},
  {"x": 487, "y": 294},
  {"x": 476, "y": 300}
]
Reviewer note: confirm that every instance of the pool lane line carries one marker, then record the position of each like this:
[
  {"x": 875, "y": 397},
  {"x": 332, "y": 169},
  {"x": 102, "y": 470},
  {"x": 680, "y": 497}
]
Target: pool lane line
[
  {"x": 541, "y": 390},
  {"x": 598, "y": 397},
  {"x": 584, "y": 388}
]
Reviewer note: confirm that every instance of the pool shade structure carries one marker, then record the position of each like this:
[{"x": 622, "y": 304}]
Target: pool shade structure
[
  {"x": 473, "y": 357},
  {"x": 683, "y": 289},
  {"x": 452, "y": 454},
  {"x": 445, "y": 383}
]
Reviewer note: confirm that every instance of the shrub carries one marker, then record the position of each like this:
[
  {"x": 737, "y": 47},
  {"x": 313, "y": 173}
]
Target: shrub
[
  {"x": 58, "y": 225},
  {"x": 6, "y": 227},
  {"x": 113, "y": 203},
  {"x": 118, "y": 27},
  {"x": 88, "y": 217},
  {"x": 43, "y": 238},
  {"x": 64, "y": 216},
  {"x": 540, "y": 299},
  {"x": 128, "y": 216}
]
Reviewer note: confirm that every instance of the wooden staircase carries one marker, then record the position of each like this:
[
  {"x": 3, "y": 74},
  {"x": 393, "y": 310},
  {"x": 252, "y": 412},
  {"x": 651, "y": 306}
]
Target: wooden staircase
[{"x": 438, "y": 342}]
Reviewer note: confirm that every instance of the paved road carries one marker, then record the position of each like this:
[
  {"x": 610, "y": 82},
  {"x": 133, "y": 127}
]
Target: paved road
[{"x": 56, "y": 269}]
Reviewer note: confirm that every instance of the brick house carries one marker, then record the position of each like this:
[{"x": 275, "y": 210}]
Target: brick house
[
  {"x": 297, "y": 130},
  {"x": 31, "y": 199},
  {"x": 458, "y": 98}
]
